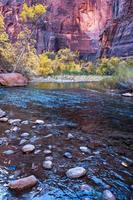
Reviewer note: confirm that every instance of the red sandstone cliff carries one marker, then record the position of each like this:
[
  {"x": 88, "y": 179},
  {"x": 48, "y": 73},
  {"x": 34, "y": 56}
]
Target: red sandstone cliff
[
  {"x": 117, "y": 38},
  {"x": 71, "y": 23},
  {"x": 77, "y": 24}
]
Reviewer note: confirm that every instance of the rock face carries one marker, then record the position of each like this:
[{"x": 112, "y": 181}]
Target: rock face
[
  {"x": 117, "y": 38},
  {"x": 13, "y": 79},
  {"x": 73, "y": 24},
  {"x": 79, "y": 25}
]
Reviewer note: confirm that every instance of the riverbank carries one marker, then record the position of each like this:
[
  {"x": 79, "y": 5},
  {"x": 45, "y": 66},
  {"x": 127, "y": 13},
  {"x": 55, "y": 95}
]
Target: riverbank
[{"x": 68, "y": 78}]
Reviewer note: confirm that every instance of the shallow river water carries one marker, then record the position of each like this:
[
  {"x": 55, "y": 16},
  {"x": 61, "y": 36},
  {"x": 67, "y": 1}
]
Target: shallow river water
[{"x": 103, "y": 122}]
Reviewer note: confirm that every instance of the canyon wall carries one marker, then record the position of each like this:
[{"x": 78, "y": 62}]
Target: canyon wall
[
  {"x": 117, "y": 38},
  {"x": 78, "y": 25}
]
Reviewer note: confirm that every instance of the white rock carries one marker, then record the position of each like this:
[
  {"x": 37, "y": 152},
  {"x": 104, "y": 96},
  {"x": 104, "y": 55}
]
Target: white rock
[
  {"x": 14, "y": 121},
  {"x": 22, "y": 141},
  {"x": 25, "y": 134},
  {"x": 48, "y": 164},
  {"x": 47, "y": 151},
  {"x": 76, "y": 172},
  {"x": 9, "y": 152},
  {"x": 49, "y": 158},
  {"x": 39, "y": 121},
  {"x": 26, "y": 122},
  {"x": 107, "y": 195},
  {"x": 28, "y": 148},
  {"x": 15, "y": 129},
  {"x": 3, "y": 119},
  {"x": 128, "y": 94},
  {"x": 2, "y": 113},
  {"x": 84, "y": 149},
  {"x": 23, "y": 183},
  {"x": 70, "y": 136}
]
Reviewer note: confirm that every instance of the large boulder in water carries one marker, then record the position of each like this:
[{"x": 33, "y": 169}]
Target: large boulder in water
[{"x": 13, "y": 79}]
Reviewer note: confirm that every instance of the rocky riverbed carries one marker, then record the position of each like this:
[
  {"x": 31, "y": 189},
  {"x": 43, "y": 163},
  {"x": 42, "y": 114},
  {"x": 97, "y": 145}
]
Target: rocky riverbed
[{"x": 68, "y": 144}]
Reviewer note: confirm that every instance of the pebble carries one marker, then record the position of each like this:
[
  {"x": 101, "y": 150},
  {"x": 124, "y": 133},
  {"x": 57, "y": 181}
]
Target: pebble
[
  {"x": 124, "y": 164},
  {"x": 37, "y": 151},
  {"x": 25, "y": 134},
  {"x": 28, "y": 148},
  {"x": 9, "y": 152},
  {"x": 49, "y": 158},
  {"x": 76, "y": 172},
  {"x": 7, "y": 131},
  {"x": 39, "y": 121},
  {"x": 84, "y": 149},
  {"x": 47, "y": 151},
  {"x": 128, "y": 94},
  {"x": 15, "y": 129},
  {"x": 26, "y": 122},
  {"x": 23, "y": 183},
  {"x": 2, "y": 113},
  {"x": 107, "y": 195},
  {"x": 48, "y": 164},
  {"x": 3, "y": 119},
  {"x": 14, "y": 121},
  {"x": 86, "y": 187},
  {"x": 22, "y": 141},
  {"x": 70, "y": 136},
  {"x": 68, "y": 155}
]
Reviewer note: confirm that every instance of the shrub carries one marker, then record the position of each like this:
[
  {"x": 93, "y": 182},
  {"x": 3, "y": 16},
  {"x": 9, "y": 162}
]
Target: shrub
[{"x": 107, "y": 66}]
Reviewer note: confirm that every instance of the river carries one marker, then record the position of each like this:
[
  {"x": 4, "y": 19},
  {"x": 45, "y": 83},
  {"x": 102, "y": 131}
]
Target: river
[{"x": 101, "y": 121}]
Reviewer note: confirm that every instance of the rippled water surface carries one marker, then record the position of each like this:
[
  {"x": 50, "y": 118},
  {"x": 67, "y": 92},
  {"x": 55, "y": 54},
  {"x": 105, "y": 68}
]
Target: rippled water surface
[{"x": 102, "y": 122}]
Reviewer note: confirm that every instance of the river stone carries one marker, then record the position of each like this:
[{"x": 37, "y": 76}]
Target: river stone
[
  {"x": 14, "y": 121},
  {"x": 107, "y": 195},
  {"x": 84, "y": 149},
  {"x": 28, "y": 148},
  {"x": 76, "y": 172},
  {"x": 127, "y": 94},
  {"x": 47, "y": 151},
  {"x": 49, "y": 158},
  {"x": 2, "y": 113},
  {"x": 15, "y": 129},
  {"x": 70, "y": 136},
  {"x": 47, "y": 164},
  {"x": 3, "y": 119},
  {"x": 86, "y": 187},
  {"x": 26, "y": 122},
  {"x": 22, "y": 141},
  {"x": 9, "y": 152},
  {"x": 23, "y": 183},
  {"x": 39, "y": 121},
  {"x": 68, "y": 155},
  {"x": 25, "y": 134}
]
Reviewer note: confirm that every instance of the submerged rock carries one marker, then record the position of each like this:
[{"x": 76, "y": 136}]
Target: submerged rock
[
  {"x": 13, "y": 79},
  {"x": 28, "y": 148},
  {"x": 85, "y": 149},
  {"x": 25, "y": 134},
  {"x": 68, "y": 155},
  {"x": 76, "y": 172},
  {"x": 8, "y": 152},
  {"x": 23, "y": 183},
  {"x": 47, "y": 164},
  {"x": 2, "y": 113},
  {"x": 107, "y": 195},
  {"x": 14, "y": 121}
]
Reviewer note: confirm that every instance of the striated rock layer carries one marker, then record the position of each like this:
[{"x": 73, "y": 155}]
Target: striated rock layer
[
  {"x": 70, "y": 23},
  {"x": 117, "y": 38},
  {"x": 78, "y": 25}
]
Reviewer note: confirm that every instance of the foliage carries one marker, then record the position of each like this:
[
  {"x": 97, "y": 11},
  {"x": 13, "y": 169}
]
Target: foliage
[
  {"x": 32, "y": 12},
  {"x": 107, "y": 66}
]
